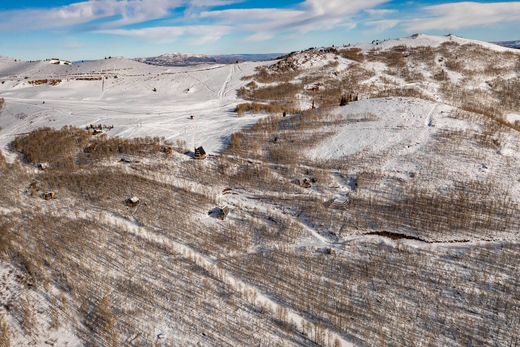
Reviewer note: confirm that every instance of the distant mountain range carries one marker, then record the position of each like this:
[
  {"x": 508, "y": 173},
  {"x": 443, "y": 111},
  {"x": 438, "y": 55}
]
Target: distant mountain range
[
  {"x": 184, "y": 59},
  {"x": 510, "y": 44}
]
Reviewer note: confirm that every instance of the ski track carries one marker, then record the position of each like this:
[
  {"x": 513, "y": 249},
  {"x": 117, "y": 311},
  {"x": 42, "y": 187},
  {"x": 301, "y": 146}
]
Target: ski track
[
  {"x": 222, "y": 91},
  {"x": 429, "y": 118}
]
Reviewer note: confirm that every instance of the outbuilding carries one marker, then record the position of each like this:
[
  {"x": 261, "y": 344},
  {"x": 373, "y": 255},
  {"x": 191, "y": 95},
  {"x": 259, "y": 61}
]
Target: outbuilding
[{"x": 200, "y": 153}]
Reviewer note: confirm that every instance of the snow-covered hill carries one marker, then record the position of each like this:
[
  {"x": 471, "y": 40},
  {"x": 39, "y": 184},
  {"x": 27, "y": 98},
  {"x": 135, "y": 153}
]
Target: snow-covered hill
[
  {"x": 138, "y": 99},
  {"x": 510, "y": 44},
  {"x": 423, "y": 40},
  {"x": 186, "y": 59},
  {"x": 357, "y": 195}
]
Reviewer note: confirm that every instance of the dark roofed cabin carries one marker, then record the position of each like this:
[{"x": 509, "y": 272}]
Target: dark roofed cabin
[{"x": 200, "y": 153}]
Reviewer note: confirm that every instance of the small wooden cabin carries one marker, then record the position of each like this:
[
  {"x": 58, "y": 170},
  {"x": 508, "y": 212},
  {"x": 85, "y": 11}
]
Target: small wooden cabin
[
  {"x": 49, "y": 196},
  {"x": 200, "y": 153},
  {"x": 223, "y": 213},
  {"x": 132, "y": 202}
]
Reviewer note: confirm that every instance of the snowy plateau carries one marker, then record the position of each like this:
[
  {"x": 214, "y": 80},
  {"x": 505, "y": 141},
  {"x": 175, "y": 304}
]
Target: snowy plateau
[{"x": 356, "y": 195}]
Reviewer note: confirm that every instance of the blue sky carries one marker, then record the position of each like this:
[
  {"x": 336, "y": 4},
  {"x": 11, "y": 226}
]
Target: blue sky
[{"x": 88, "y": 29}]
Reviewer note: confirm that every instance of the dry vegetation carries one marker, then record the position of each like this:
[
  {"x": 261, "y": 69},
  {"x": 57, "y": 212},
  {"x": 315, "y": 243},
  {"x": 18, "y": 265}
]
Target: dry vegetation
[
  {"x": 56, "y": 147},
  {"x": 355, "y": 54},
  {"x": 396, "y": 263},
  {"x": 352, "y": 291},
  {"x": 51, "y": 82},
  {"x": 423, "y": 67},
  {"x": 72, "y": 147},
  {"x": 272, "y": 107}
]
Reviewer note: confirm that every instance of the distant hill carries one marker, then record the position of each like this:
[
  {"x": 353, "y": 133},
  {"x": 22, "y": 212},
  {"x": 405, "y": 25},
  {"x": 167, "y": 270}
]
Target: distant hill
[
  {"x": 184, "y": 59},
  {"x": 510, "y": 44}
]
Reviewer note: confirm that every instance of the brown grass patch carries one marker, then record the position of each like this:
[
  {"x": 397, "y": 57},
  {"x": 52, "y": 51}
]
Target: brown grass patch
[
  {"x": 355, "y": 54},
  {"x": 56, "y": 147},
  {"x": 45, "y": 81}
]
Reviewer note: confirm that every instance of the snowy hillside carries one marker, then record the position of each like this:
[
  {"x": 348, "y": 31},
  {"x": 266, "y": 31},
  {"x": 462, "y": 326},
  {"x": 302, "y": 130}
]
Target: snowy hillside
[
  {"x": 186, "y": 59},
  {"x": 510, "y": 44},
  {"x": 357, "y": 195},
  {"x": 138, "y": 99},
  {"x": 423, "y": 40}
]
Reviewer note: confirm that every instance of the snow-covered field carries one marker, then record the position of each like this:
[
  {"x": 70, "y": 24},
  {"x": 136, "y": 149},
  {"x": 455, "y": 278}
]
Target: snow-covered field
[
  {"x": 121, "y": 93},
  {"x": 378, "y": 125},
  {"x": 390, "y": 220}
]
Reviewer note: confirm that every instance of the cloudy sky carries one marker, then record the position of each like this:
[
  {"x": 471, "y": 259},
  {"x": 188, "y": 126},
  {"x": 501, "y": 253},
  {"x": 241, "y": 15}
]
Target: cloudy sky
[{"x": 34, "y": 29}]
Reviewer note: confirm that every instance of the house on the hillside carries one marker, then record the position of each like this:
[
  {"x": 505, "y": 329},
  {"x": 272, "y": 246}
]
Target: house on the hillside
[
  {"x": 223, "y": 213},
  {"x": 200, "y": 153},
  {"x": 132, "y": 202},
  {"x": 219, "y": 213},
  {"x": 56, "y": 61},
  {"x": 49, "y": 196}
]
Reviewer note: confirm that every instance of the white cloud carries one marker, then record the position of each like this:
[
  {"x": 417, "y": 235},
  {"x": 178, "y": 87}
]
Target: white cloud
[
  {"x": 127, "y": 12},
  {"x": 114, "y": 12},
  {"x": 465, "y": 14},
  {"x": 198, "y": 34},
  {"x": 310, "y": 15},
  {"x": 112, "y": 17},
  {"x": 378, "y": 13},
  {"x": 383, "y": 25}
]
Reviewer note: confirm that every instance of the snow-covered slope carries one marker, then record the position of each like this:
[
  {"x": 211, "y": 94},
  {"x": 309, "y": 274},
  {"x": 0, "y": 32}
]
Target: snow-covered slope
[
  {"x": 310, "y": 229},
  {"x": 511, "y": 44},
  {"x": 423, "y": 40},
  {"x": 184, "y": 59},
  {"x": 138, "y": 99},
  {"x": 390, "y": 125}
]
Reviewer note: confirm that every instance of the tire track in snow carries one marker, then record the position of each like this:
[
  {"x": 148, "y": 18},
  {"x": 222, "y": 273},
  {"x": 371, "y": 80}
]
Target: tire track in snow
[
  {"x": 214, "y": 194},
  {"x": 223, "y": 89},
  {"x": 429, "y": 117},
  {"x": 249, "y": 203}
]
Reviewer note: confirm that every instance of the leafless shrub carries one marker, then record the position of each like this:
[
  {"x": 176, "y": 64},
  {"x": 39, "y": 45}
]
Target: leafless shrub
[
  {"x": 446, "y": 48},
  {"x": 93, "y": 78},
  {"x": 105, "y": 147},
  {"x": 5, "y": 239},
  {"x": 441, "y": 76},
  {"x": 5, "y": 336},
  {"x": 71, "y": 147},
  {"x": 454, "y": 65},
  {"x": 355, "y": 54},
  {"x": 403, "y": 92},
  {"x": 279, "y": 92},
  {"x": 356, "y": 74},
  {"x": 3, "y": 162},
  {"x": 252, "y": 85},
  {"x": 28, "y": 319},
  {"x": 56, "y": 147},
  {"x": 278, "y": 74},
  {"x": 423, "y": 54},
  {"x": 101, "y": 321},
  {"x": 51, "y": 82},
  {"x": 507, "y": 92},
  {"x": 394, "y": 58},
  {"x": 271, "y": 107},
  {"x": 466, "y": 210},
  {"x": 236, "y": 142}
]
